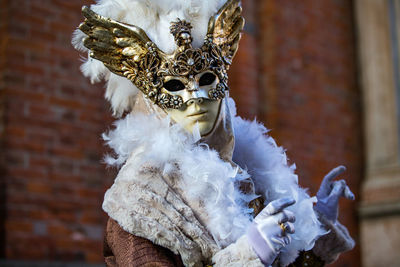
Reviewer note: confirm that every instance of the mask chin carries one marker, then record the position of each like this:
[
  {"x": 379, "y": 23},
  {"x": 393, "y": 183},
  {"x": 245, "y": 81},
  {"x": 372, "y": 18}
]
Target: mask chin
[{"x": 202, "y": 112}]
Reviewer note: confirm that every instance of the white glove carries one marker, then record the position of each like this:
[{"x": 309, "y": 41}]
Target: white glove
[{"x": 270, "y": 230}]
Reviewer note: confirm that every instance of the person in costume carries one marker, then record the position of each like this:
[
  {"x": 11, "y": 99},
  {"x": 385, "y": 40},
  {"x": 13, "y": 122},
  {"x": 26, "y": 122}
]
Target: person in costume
[{"x": 197, "y": 184}]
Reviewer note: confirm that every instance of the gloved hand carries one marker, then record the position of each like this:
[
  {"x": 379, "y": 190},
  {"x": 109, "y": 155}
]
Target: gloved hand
[
  {"x": 329, "y": 193},
  {"x": 271, "y": 229}
]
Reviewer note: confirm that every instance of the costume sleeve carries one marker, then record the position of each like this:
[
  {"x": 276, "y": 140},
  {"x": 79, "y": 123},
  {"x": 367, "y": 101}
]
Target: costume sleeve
[
  {"x": 239, "y": 253},
  {"x": 326, "y": 250},
  {"x": 305, "y": 258},
  {"x": 124, "y": 249},
  {"x": 328, "y": 247}
]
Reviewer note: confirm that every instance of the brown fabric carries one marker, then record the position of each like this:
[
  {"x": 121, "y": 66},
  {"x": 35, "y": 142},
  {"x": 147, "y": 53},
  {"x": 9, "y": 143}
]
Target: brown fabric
[
  {"x": 328, "y": 247},
  {"x": 126, "y": 250},
  {"x": 307, "y": 258}
]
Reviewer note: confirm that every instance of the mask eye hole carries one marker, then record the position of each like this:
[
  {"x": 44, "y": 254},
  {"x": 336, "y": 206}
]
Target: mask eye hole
[
  {"x": 207, "y": 79},
  {"x": 174, "y": 85}
]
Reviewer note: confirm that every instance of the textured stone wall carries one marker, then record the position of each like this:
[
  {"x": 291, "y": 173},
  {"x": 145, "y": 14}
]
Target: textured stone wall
[
  {"x": 294, "y": 70},
  {"x": 378, "y": 30}
]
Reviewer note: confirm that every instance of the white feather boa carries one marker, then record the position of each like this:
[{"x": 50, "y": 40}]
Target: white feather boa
[
  {"x": 204, "y": 176},
  {"x": 267, "y": 164}
]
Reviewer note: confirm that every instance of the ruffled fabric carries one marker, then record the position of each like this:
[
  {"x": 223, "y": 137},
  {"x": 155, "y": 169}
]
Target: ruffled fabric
[{"x": 238, "y": 254}]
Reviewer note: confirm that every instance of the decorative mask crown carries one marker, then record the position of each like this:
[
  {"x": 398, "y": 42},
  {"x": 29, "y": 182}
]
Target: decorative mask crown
[
  {"x": 127, "y": 51},
  {"x": 181, "y": 30}
]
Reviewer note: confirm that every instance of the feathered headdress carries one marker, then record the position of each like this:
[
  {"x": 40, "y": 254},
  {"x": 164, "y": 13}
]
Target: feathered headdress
[{"x": 124, "y": 54}]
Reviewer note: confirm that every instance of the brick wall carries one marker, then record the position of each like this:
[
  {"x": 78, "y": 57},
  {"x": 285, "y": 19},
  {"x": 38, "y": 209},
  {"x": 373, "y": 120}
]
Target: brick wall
[
  {"x": 3, "y": 42},
  {"x": 243, "y": 74},
  {"x": 294, "y": 70},
  {"x": 53, "y": 121}
]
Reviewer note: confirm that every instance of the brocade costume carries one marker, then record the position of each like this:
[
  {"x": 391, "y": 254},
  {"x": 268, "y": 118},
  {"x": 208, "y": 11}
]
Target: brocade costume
[{"x": 183, "y": 198}]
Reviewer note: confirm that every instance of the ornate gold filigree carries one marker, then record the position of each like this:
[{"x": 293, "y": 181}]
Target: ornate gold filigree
[
  {"x": 190, "y": 61},
  {"x": 127, "y": 51}
]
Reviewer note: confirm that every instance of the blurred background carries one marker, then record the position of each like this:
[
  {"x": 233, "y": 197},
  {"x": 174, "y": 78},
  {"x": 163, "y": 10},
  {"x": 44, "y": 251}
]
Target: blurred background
[{"x": 323, "y": 75}]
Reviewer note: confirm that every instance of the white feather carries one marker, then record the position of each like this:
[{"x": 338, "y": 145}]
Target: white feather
[
  {"x": 121, "y": 93},
  {"x": 77, "y": 40},
  {"x": 94, "y": 69}
]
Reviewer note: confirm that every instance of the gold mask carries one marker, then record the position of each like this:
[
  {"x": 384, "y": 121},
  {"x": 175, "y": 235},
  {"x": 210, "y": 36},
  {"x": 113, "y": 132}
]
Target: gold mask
[{"x": 169, "y": 80}]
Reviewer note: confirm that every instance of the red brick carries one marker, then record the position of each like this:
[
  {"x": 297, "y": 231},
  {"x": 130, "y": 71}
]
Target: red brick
[
  {"x": 18, "y": 226},
  {"x": 90, "y": 217},
  {"x": 31, "y": 173},
  {"x": 59, "y": 230},
  {"x": 71, "y": 153},
  {"x": 24, "y": 17},
  {"x": 38, "y": 187},
  {"x": 40, "y": 214},
  {"x": 16, "y": 132},
  {"x": 26, "y": 145}
]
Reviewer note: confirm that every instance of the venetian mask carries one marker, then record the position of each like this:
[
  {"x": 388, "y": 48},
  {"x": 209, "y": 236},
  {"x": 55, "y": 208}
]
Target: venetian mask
[
  {"x": 187, "y": 84},
  {"x": 199, "y": 108}
]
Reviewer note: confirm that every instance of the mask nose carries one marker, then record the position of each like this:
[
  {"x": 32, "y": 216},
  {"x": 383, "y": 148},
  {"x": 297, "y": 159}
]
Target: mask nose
[
  {"x": 194, "y": 93},
  {"x": 194, "y": 100},
  {"x": 193, "y": 86}
]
